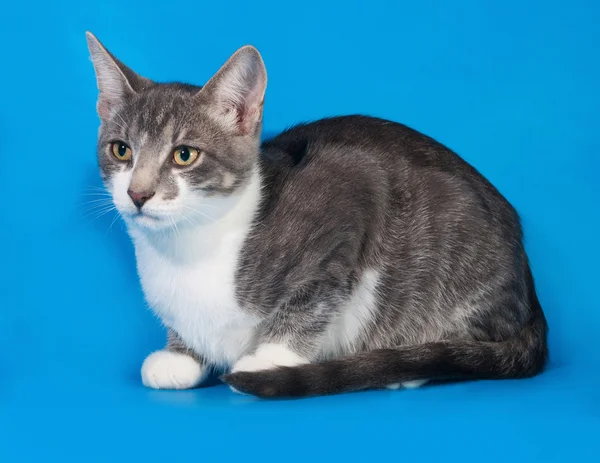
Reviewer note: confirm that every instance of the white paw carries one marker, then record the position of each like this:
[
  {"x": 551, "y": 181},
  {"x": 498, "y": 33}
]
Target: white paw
[
  {"x": 414, "y": 384},
  {"x": 252, "y": 363},
  {"x": 269, "y": 356},
  {"x": 408, "y": 384},
  {"x": 171, "y": 370}
]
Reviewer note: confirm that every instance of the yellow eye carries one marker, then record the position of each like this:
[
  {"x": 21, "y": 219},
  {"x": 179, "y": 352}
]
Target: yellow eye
[
  {"x": 184, "y": 155},
  {"x": 121, "y": 151}
]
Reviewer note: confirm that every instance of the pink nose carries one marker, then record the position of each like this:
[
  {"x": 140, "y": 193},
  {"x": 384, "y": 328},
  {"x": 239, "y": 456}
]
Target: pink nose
[{"x": 139, "y": 198}]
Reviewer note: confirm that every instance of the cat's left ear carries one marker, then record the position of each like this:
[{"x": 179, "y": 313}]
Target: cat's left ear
[
  {"x": 115, "y": 80},
  {"x": 235, "y": 94}
]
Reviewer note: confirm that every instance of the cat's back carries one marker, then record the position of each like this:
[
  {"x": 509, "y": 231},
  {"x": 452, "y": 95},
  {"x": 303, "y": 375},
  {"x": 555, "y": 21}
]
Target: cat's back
[
  {"x": 379, "y": 137},
  {"x": 360, "y": 152},
  {"x": 354, "y": 129}
]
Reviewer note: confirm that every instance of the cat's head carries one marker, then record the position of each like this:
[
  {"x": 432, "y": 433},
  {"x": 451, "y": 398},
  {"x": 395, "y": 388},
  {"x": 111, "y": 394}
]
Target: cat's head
[{"x": 173, "y": 153}]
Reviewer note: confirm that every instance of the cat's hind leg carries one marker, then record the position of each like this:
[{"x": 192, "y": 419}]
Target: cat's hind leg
[{"x": 291, "y": 337}]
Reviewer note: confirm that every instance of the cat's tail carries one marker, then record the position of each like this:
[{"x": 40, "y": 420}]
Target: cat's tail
[{"x": 522, "y": 356}]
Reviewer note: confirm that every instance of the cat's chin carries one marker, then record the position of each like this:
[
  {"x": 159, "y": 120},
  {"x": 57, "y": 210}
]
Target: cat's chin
[{"x": 149, "y": 222}]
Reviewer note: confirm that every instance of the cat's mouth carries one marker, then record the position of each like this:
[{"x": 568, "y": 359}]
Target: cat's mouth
[{"x": 147, "y": 219}]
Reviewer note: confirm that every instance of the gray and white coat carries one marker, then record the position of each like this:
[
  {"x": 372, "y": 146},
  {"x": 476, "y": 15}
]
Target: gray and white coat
[{"x": 343, "y": 254}]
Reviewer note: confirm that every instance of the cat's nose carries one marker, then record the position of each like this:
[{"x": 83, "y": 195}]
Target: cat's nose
[{"x": 139, "y": 198}]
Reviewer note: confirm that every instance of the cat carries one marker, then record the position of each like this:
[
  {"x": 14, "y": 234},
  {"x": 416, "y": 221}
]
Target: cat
[{"x": 345, "y": 254}]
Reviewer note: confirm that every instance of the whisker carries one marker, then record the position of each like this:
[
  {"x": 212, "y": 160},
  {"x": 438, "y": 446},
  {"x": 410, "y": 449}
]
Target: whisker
[
  {"x": 96, "y": 193},
  {"x": 117, "y": 215},
  {"x": 98, "y": 214},
  {"x": 209, "y": 206},
  {"x": 121, "y": 117},
  {"x": 177, "y": 229},
  {"x": 92, "y": 207},
  {"x": 98, "y": 208},
  {"x": 200, "y": 212},
  {"x": 99, "y": 200},
  {"x": 95, "y": 209},
  {"x": 121, "y": 126},
  {"x": 173, "y": 227},
  {"x": 185, "y": 217}
]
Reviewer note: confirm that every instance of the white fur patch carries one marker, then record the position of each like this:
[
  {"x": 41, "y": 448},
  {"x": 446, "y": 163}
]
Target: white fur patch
[
  {"x": 188, "y": 278},
  {"x": 344, "y": 331},
  {"x": 414, "y": 384},
  {"x": 408, "y": 384},
  {"x": 171, "y": 370},
  {"x": 269, "y": 356}
]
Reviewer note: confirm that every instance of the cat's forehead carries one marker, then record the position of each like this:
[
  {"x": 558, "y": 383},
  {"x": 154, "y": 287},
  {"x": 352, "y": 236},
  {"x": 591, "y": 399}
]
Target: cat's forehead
[{"x": 159, "y": 113}]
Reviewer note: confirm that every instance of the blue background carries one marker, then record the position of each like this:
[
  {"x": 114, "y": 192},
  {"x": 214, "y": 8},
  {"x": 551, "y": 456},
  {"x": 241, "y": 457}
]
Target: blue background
[{"x": 512, "y": 86}]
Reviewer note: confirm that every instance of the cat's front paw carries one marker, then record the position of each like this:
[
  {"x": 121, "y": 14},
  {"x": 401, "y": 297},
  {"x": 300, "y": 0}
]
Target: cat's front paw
[{"x": 171, "y": 370}]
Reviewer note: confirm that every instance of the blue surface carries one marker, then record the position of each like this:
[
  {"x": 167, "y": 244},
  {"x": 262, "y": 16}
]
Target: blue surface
[{"x": 513, "y": 88}]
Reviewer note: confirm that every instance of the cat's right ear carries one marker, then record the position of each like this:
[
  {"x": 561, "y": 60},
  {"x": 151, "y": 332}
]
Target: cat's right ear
[
  {"x": 235, "y": 94},
  {"x": 115, "y": 80}
]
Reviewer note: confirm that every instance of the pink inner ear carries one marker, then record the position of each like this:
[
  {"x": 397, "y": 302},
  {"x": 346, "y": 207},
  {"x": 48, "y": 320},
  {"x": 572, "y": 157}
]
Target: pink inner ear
[
  {"x": 103, "y": 108},
  {"x": 244, "y": 119},
  {"x": 247, "y": 116},
  {"x": 249, "y": 121}
]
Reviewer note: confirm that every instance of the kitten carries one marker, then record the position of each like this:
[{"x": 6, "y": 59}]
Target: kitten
[{"x": 344, "y": 254}]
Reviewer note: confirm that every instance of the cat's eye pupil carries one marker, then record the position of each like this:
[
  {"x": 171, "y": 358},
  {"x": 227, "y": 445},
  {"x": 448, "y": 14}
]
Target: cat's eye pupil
[
  {"x": 122, "y": 150},
  {"x": 184, "y": 154}
]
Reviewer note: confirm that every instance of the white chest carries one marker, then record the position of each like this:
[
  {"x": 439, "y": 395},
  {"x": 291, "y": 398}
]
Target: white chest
[{"x": 196, "y": 297}]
